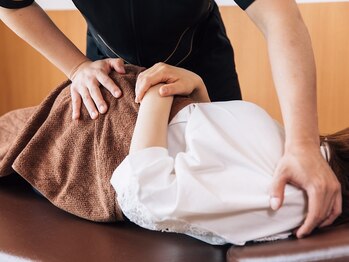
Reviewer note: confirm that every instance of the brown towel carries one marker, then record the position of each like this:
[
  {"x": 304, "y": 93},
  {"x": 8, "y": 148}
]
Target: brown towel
[{"x": 71, "y": 162}]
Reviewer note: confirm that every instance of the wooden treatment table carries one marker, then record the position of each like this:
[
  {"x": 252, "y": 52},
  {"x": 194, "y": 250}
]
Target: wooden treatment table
[{"x": 31, "y": 227}]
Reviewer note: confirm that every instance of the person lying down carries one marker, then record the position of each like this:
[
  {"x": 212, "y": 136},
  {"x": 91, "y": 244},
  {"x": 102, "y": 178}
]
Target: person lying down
[{"x": 207, "y": 173}]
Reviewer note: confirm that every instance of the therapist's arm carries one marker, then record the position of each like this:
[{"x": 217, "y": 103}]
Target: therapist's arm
[
  {"x": 152, "y": 121},
  {"x": 33, "y": 25},
  {"x": 294, "y": 74}
]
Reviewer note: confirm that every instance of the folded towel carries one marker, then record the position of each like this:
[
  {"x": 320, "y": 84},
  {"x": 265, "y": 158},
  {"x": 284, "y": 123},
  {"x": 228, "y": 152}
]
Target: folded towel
[{"x": 71, "y": 162}]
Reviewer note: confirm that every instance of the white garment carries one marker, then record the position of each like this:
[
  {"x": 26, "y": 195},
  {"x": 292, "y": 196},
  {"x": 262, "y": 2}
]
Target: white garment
[{"x": 212, "y": 183}]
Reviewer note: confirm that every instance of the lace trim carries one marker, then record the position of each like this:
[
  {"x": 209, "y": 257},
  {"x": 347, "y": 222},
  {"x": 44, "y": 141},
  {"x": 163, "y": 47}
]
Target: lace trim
[
  {"x": 273, "y": 237},
  {"x": 139, "y": 214}
]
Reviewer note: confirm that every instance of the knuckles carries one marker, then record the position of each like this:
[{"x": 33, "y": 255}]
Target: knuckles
[
  {"x": 162, "y": 67},
  {"x": 85, "y": 96},
  {"x": 103, "y": 79},
  {"x": 117, "y": 61},
  {"x": 337, "y": 212},
  {"x": 317, "y": 218}
]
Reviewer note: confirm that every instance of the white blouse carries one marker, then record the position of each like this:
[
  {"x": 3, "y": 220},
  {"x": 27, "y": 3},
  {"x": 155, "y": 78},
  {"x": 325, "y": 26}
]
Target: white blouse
[{"x": 212, "y": 182}]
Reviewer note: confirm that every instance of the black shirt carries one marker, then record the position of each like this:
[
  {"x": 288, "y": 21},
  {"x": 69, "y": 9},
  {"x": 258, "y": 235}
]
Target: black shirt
[
  {"x": 141, "y": 32},
  {"x": 185, "y": 33},
  {"x": 23, "y": 3}
]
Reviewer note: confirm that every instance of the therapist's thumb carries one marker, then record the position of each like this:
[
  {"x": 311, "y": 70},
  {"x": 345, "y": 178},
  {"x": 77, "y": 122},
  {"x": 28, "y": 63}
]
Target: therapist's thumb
[
  {"x": 277, "y": 191},
  {"x": 171, "y": 89}
]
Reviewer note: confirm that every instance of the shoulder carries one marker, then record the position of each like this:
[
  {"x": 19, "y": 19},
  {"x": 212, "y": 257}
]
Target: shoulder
[
  {"x": 235, "y": 107},
  {"x": 245, "y": 115}
]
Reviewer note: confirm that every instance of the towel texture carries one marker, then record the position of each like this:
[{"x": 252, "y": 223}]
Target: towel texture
[{"x": 71, "y": 162}]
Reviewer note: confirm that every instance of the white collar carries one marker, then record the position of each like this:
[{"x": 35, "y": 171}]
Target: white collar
[{"x": 325, "y": 151}]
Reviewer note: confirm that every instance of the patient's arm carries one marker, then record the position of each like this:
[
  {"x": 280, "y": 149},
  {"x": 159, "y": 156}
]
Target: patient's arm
[
  {"x": 152, "y": 121},
  {"x": 176, "y": 81}
]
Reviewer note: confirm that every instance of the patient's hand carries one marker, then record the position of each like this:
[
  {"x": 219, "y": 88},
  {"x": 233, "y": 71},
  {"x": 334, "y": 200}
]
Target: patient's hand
[
  {"x": 177, "y": 81},
  {"x": 86, "y": 81}
]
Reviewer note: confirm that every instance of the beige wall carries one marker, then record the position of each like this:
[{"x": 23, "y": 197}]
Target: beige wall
[
  {"x": 26, "y": 77},
  {"x": 328, "y": 24}
]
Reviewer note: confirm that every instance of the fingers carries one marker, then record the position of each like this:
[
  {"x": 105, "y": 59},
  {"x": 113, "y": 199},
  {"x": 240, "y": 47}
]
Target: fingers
[
  {"x": 335, "y": 211},
  {"x": 117, "y": 64},
  {"x": 91, "y": 97},
  {"x": 157, "y": 74},
  {"x": 145, "y": 81},
  {"x": 314, "y": 215},
  {"x": 277, "y": 190},
  {"x": 320, "y": 203},
  {"x": 324, "y": 206},
  {"x": 76, "y": 104},
  {"x": 177, "y": 81},
  {"x": 108, "y": 83},
  {"x": 305, "y": 168},
  {"x": 173, "y": 89},
  {"x": 85, "y": 86},
  {"x": 97, "y": 98}
]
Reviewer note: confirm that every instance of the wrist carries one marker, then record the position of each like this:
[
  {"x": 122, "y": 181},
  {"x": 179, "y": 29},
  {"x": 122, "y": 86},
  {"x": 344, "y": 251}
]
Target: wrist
[
  {"x": 302, "y": 145},
  {"x": 304, "y": 135},
  {"x": 153, "y": 99},
  {"x": 73, "y": 71}
]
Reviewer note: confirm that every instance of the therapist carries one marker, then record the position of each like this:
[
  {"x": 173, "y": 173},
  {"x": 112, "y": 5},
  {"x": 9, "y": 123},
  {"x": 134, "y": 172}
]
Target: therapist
[{"x": 191, "y": 34}]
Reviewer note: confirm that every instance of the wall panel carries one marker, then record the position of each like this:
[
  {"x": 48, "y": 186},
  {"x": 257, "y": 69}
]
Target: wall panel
[
  {"x": 25, "y": 76},
  {"x": 328, "y": 24}
]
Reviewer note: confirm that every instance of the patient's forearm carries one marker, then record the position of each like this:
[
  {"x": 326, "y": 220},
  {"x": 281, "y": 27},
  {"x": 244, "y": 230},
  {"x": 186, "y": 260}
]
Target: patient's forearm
[
  {"x": 152, "y": 121},
  {"x": 36, "y": 28}
]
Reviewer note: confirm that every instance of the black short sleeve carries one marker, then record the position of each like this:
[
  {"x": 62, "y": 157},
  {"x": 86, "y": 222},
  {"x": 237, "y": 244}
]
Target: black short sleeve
[
  {"x": 242, "y": 3},
  {"x": 15, "y": 4}
]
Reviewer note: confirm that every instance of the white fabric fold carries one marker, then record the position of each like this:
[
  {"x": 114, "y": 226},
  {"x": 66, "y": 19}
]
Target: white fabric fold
[{"x": 212, "y": 183}]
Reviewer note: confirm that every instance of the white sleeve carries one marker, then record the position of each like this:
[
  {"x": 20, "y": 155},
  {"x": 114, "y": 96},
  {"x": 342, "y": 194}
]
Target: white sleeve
[
  {"x": 151, "y": 195},
  {"x": 146, "y": 186}
]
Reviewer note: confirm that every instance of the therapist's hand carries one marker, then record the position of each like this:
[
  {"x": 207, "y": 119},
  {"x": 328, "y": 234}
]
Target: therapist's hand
[
  {"x": 86, "y": 81},
  {"x": 304, "y": 167},
  {"x": 177, "y": 81}
]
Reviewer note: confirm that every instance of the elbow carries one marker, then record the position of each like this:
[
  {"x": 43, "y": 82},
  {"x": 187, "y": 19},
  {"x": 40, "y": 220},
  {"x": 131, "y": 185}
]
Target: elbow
[{"x": 273, "y": 18}]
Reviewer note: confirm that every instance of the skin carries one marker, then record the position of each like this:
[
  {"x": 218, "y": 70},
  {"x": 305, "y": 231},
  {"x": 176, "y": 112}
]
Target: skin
[
  {"x": 152, "y": 121},
  {"x": 293, "y": 68}
]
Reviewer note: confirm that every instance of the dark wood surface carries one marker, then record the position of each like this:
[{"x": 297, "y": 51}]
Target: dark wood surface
[{"x": 31, "y": 227}]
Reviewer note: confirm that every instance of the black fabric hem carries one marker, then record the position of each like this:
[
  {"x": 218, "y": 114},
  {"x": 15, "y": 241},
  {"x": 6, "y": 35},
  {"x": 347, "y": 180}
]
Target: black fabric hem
[
  {"x": 15, "y": 4},
  {"x": 244, "y": 3}
]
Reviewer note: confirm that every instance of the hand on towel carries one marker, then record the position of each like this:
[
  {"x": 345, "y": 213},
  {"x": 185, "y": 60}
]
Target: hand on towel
[
  {"x": 177, "y": 81},
  {"x": 304, "y": 167},
  {"x": 87, "y": 78}
]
